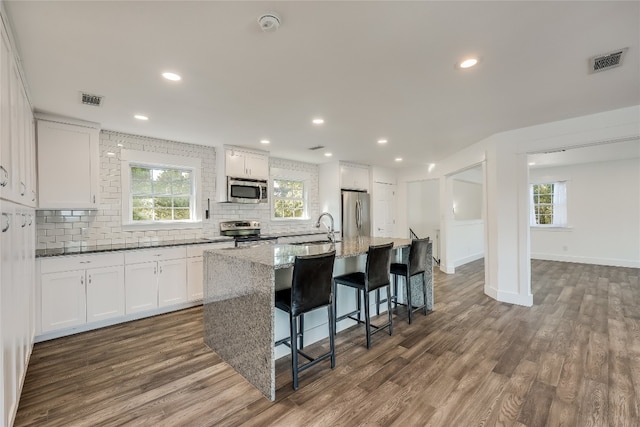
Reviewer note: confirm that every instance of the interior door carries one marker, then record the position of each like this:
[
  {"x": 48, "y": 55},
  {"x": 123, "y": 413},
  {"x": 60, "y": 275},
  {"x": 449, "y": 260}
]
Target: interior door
[{"x": 384, "y": 210}]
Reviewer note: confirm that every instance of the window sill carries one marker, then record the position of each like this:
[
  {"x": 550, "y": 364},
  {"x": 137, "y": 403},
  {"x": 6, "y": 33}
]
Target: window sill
[
  {"x": 162, "y": 226},
  {"x": 290, "y": 219},
  {"x": 550, "y": 228}
]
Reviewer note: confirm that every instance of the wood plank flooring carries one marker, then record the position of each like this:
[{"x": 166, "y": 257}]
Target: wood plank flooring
[{"x": 573, "y": 359}]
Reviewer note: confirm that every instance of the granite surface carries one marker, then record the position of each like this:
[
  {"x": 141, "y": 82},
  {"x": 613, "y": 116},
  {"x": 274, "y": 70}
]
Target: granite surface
[
  {"x": 282, "y": 256},
  {"x": 239, "y": 302},
  {"x": 78, "y": 250}
]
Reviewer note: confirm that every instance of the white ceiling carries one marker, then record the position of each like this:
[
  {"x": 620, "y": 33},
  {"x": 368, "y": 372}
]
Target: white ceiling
[{"x": 370, "y": 69}]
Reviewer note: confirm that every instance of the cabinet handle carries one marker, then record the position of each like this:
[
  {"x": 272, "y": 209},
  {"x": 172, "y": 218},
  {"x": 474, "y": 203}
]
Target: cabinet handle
[
  {"x": 23, "y": 188},
  {"x": 30, "y": 220},
  {"x": 24, "y": 220},
  {"x": 8, "y": 219},
  {"x": 82, "y": 280},
  {"x": 160, "y": 269},
  {"x": 4, "y": 178},
  {"x": 155, "y": 270},
  {"x": 94, "y": 198},
  {"x": 89, "y": 279},
  {"x": 33, "y": 196},
  {"x": 157, "y": 254},
  {"x": 85, "y": 262}
]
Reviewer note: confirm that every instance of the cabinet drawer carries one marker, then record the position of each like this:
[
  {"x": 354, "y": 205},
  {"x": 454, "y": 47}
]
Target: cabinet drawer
[
  {"x": 80, "y": 262},
  {"x": 160, "y": 254},
  {"x": 193, "y": 251}
]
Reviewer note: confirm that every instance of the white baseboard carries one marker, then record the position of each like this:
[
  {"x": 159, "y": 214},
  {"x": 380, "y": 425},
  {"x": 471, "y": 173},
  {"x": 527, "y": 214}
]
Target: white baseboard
[
  {"x": 587, "y": 260},
  {"x": 467, "y": 259},
  {"x": 114, "y": 321}
]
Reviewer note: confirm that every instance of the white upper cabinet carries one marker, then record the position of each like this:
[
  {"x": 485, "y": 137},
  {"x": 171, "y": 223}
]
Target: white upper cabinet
[
  {"x": 246, "y": 164},
  {"x": 17, "y": 154},
  {"x": 354, "y": 177},
  {"x": 68, "y": 166}
]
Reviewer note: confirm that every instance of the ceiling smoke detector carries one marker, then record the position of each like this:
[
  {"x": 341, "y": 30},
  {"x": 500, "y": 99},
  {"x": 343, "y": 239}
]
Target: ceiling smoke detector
[{"x": 269, "y": 22}]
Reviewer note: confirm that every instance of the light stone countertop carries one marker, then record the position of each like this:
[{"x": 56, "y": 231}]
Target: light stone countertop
[{"x": 283, "y": 255}]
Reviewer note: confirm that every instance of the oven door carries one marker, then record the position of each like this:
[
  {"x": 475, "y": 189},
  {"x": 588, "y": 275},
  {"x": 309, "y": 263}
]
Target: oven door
[{"x": 240, "y": 191}]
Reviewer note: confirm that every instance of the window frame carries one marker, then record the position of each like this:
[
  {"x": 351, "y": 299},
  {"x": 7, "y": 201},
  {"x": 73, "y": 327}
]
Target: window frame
[
  {"x": 134, "y": 158},
  {"x": 287, "y": 175},
  {"x": 559, "y": 209}
]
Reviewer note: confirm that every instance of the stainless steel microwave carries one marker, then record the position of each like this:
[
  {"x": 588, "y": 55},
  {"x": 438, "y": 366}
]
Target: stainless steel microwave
[{"x": 246, "y": 191}]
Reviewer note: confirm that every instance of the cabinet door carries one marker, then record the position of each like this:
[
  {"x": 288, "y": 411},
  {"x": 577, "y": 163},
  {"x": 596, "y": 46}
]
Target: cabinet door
[
  {"x": 141, "y": 287},
  {"x": 234, "y": 164},
  {"x": 195, "y": 278},
  {"x": 68, "y": 166},
  {"x": 354, "y": 177},
  {"x": 257, "y": 166},
  {"x": 105, "y": 293},
  {"x": 172, "y": 282},
  {"x": 63, "y": 300},
  {"x": 8, "y": 149},
  {"x": 18, "y": 134}
]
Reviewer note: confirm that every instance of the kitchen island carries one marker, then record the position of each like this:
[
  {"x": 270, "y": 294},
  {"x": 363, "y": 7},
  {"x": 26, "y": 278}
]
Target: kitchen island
[{"x": 239, "y": 298}]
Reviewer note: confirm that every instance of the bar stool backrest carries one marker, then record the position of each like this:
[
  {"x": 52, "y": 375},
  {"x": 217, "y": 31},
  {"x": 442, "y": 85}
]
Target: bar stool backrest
[
  {"x": 378, "y": 266},
  {"x": 312, "y": 282},
  {"x": 418, "y": 256}
]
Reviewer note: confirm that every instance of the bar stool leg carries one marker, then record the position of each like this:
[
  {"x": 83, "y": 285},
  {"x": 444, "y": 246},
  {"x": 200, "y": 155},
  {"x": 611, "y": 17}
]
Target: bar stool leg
[
  {"x": 389, "y": 310},
  {"x": 294, "y": 351},
  {"x": 367, "y": 318},
  {"x": 358, "y": 304},
  {"x": 424, "y": 290},
  {"x": 377, "y": 302},
  {"x": 301, "y": 317},
  {"x": 332, "y": 332}
]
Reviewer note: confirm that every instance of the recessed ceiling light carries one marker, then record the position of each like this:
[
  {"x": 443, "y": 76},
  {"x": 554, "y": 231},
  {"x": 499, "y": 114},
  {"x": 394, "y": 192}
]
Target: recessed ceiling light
[
  {"x": 382, "y": 141},
  {"x": 431, "y": 166},
  {"x": 120, "y": 145},
  {"x": 264, "y": 141},
  {"x": 532, "y": 163},
  {"x": 468, "y": 63},
  {"x": 141, "y": 117},
  {"x": 398, "y": 159},
  {"x": 317, "y": 121},
  {"x": 328, "y": 154},
  {"x": 171, "y": 76},
  {"x": 110, "y": 154}
]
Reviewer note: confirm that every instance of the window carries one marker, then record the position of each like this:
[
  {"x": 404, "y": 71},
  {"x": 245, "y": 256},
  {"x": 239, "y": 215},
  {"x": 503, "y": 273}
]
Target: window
[
  {"x": 549, "y": 204},
  {"x": 160, "y": 194},
  {"x": 159, "y": 190},
  {"x": 289, "y": 201}
]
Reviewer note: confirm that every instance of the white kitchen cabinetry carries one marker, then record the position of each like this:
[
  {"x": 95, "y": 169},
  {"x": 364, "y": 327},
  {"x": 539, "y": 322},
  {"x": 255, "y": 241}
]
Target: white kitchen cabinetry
[
  {"x": 17, "y": 153},
  {"x": 155, "y": 278},
  {"x": 195, "y": 268},
  {"x": 354, "y": 177},
  {"x": 68, "y": 165},
  {"x": 246, "y": 164},
  {"x": 17, "y": 315},
  {"x": 75, "y": 290}
]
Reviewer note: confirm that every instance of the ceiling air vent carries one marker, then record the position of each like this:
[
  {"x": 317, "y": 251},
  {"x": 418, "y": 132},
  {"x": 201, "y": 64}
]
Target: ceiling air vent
[
  {"x": 88, "y": 99},
  {"x": 608, "y": 60},
  {"x": 317, "y": 147}
]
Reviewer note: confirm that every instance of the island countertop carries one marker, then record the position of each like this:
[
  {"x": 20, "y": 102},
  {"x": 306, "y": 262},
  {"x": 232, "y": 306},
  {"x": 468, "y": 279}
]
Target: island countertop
[
  {"x": 283, "y": 255},
  {"x": 239, "y": 299}
]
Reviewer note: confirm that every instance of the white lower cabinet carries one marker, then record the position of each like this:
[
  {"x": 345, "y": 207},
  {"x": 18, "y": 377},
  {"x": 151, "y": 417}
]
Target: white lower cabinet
[
  {"x": 75, "y": 290},
  {"x": 195, "y": 268},
  {"x": 83, "y": 292},
  {"x": 155, "y": 278}
]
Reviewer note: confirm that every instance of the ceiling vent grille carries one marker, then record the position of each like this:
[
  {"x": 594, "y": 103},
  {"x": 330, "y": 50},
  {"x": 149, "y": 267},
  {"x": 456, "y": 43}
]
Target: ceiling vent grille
[
  {"x": 317, "y": 147},
  {"x": 93, "y": 100},
  {"x": 607, "y": 61}
]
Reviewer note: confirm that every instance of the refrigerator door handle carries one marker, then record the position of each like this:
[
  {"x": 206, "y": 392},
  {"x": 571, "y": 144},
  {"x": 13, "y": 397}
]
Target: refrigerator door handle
[{"x": 358, "y": 214}]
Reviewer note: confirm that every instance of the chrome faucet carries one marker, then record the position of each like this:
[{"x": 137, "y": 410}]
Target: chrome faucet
[{"x": 330, "y": 230}]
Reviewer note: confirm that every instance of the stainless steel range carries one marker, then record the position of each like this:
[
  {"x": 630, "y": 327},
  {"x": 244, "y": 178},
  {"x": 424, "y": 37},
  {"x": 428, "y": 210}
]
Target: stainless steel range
[{"x": 245, "y": 232}]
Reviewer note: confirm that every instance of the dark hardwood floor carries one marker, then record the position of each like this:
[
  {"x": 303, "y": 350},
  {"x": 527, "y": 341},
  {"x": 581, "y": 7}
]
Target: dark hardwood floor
[{"x": 572, "y": 359}]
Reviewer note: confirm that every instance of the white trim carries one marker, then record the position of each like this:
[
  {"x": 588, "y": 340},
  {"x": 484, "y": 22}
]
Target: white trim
[
  {"x": 470, "y": 258},
  {"x": 513, "y": 298},
  {"x": 630, "y": 263},
  {"x": 127, "y": 157},
  {"x": 291, "y": 175}
]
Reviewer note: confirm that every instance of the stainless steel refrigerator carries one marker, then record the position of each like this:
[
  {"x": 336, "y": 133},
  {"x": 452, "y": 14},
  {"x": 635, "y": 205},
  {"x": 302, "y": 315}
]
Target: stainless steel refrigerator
[{"x": 356, "y": 217}]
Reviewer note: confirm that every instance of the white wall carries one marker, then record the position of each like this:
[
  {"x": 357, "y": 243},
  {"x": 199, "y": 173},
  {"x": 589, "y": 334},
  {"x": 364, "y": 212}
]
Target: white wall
[
  {"x": 507, "y": 245},
  {"x": 467, "y": 200},
  {"x": 67, "y": 228},
  {"x": 423, "y": 208},
  {"x": 603, "y": 206},
  {"x": 466, "y": 242}
]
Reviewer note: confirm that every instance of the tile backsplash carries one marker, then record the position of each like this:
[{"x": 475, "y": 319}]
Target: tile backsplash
[{"x": 68, "y": 228}]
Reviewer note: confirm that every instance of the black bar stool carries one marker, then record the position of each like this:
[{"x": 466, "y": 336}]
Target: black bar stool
[
  {"x": 417, "y": 265},
  {"x": 311, "y": 288},
  {"x": 375, "y": 277}
]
